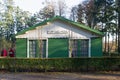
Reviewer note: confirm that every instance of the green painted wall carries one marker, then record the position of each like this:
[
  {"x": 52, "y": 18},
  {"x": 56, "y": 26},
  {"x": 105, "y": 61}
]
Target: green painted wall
[
  {"x": 21, "y": 48},
  {"x": 57, "y": 48},
  {"x": 96, "y": 47}
]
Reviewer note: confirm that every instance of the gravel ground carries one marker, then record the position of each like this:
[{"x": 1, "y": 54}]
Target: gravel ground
[{"x": 60, "y": 76}]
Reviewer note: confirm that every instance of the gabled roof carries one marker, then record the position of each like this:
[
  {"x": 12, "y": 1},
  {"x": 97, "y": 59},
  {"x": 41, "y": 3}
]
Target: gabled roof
[{"x": 81, "y": 26}]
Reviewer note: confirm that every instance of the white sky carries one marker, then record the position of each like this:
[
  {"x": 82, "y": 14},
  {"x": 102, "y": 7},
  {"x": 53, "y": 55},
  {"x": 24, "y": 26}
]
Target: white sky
[{"x": 35, "y": 5}]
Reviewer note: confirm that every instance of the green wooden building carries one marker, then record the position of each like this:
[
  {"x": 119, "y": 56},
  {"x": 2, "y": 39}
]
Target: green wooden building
[{"x": 59, "y": 37}]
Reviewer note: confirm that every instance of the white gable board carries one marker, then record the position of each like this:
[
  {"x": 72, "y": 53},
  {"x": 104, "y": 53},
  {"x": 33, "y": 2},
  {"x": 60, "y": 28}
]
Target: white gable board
[{"x": 57, "y": 29}]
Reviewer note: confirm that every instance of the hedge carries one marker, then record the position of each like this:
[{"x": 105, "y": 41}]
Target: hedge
[{"x": 59, "y": 64}]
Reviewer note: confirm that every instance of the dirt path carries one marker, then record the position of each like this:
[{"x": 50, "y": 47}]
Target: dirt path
[{"x": 60, "y": 76}]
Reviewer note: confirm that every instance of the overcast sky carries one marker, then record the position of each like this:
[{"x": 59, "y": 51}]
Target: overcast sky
[{"x": 35, "y": 5}]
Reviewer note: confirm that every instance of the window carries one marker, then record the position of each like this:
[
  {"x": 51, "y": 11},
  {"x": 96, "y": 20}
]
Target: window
[
  {"x": 74, "y": 46},
  {"x": 32, "y": 48},
  {"x": 84, "y": 47},
  {"x": 43, "y": 49}
]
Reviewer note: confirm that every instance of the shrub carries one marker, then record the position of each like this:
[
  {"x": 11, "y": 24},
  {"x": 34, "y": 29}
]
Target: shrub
[{"x": 59, "y": 64}]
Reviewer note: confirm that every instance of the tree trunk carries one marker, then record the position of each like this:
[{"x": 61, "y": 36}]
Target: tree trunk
[
  {"x": 108, "y": 43},
  {"x": 119, "y": 35},
  {"x": 105, "y": 43},
  {"x": 116, "y": 40},
  {"x": 116, "y": 35},
  {"x": 119, "y": 27}
]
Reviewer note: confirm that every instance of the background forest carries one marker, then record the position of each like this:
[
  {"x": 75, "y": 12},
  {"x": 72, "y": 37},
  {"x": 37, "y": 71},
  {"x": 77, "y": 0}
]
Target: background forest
[{"x": 103, "y": 15}]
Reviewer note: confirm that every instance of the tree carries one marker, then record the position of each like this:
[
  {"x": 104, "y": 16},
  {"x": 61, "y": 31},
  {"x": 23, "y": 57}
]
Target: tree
[
  {"x": 87, "y": 13},
  {"x": 45, "y": 13},
  {"x": 73, "y": 14},
  {"x": 80, "y": 13},
  {"x": 34, "y": 20},
  {"x": 61, "y": 7},
  {"x": 8, "y": 20},
  {"x": 99, "y": 14},
  {"x": 106, "y": 15},
  {"x": 11, "y": 18},
  {"x": 118, "y": 10},
  {"x": 21, "y": 19},
  {"x": 1, "y": 19},
  {"x": 6, "y": 23}
]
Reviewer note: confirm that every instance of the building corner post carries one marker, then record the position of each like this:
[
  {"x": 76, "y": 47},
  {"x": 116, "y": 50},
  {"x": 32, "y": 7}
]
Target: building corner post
[{"x": 89, "y": 53}]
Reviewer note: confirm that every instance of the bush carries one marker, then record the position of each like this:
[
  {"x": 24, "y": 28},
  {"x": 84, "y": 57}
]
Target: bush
[
  {"x": 114, "y": 54},
  {"x": 59, "y": 64}
]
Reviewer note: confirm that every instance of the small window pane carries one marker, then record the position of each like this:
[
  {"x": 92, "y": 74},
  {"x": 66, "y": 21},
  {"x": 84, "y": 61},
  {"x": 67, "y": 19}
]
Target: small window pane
[
  {"x": 84, "y": 47},
  {"x": 32, "y": 48}
]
